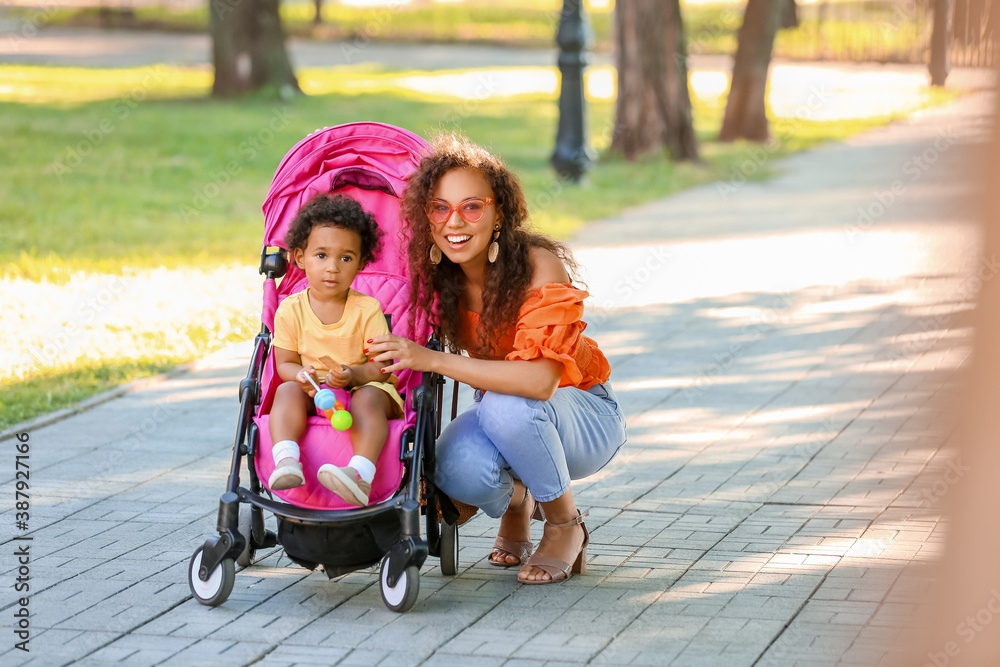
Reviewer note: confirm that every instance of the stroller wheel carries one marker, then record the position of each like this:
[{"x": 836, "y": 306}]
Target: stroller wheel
[
  {"x": 216, "y": 590},
  {"x": 403, "y": 595},
  {"x": 449, "y": 549}
]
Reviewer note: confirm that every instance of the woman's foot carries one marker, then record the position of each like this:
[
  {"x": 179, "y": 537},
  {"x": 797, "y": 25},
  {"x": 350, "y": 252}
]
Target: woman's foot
[
  {"x": 513, "y": 541},
  {"x": 562, "y": 550}
]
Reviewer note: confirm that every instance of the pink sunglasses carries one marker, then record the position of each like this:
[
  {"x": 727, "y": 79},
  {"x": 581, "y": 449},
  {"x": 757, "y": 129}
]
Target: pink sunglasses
[{"x": 471, "y": 210}]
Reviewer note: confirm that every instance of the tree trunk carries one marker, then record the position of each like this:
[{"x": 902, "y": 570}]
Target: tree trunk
[
  {"x": 746, "y": 115},
  {"x": 654, "y": 106},
  {"x": 248, "y": 48},
  {"x": 318, "y": 17},
  {"x": 789, "y": 14},
  {"x": 940, "y": 64},
  {"x": 965, "y": 27}
]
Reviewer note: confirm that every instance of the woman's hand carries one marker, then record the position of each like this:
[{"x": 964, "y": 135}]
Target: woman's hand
[
  {"x": 400, "y": 353},
  {"x": 537, "y": 378}
]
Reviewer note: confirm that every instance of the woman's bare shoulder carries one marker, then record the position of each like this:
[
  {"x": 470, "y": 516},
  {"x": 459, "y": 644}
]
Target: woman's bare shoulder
[{"x": 548, "y": 268}]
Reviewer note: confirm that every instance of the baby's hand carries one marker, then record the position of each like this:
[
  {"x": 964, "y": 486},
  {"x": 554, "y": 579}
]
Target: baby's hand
[
  {"x": 338, "y": 378},
  {"x": 302, "y": 377}
]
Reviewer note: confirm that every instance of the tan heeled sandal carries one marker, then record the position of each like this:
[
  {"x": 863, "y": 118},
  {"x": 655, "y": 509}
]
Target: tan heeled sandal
[
  {"x": 557, "y": 569},
  {"x": 519, "y": 549}
]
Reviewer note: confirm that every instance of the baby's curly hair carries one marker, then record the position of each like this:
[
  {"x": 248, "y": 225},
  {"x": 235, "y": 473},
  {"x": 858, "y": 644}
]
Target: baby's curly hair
[{"x": 337, "y": 211}]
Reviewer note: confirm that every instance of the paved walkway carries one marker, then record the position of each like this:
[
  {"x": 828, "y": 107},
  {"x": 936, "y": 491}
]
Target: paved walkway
[
  {"x": 784, "y": 362},
  {"x": 94, "y": 47}
]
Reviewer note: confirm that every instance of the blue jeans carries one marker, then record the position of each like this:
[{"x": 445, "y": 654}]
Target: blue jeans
[{"x": 545, "y": 444}]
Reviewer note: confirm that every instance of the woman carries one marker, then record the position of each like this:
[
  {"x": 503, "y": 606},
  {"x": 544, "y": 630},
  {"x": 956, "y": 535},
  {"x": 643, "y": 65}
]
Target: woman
[{"x": 544, "y": 412}]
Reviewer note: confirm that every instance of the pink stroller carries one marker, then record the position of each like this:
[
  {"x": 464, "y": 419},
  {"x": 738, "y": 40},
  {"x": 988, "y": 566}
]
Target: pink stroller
[{"x": 369, "y": 162}]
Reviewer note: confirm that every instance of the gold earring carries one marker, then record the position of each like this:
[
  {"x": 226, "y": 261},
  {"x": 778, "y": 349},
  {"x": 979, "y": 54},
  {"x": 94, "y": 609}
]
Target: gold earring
[
  {"x": 435, "y": 254},
  {"x": 494, "y": 247}
]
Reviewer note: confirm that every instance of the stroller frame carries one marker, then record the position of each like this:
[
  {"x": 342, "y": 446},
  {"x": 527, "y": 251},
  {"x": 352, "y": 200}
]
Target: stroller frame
[{"x": 394, "y": 524}]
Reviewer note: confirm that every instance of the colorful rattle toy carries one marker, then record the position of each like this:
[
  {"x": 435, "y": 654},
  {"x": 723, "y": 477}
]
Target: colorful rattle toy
[
  {"x": 340, "y": 418},
  {"x": 331, "y": 408}
]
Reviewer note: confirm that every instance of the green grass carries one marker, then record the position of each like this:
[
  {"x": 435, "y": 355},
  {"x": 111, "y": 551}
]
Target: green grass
[
  {"x": 54, "y": 389},
  {"x": 176, "y": 179}
]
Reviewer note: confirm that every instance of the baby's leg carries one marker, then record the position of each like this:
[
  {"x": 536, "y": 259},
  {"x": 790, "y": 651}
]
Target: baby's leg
[
  {"x": 370, "y": 410},
  {"x": 289, "y": 415},
  {"x": 289, "y": 412}
]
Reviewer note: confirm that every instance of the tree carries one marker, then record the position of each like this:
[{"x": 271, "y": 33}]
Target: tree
[
  {"x": 248, "y": 48},
  {"x": 789, "y": 14},
  {"x": 654, "y": 105},
  {"x": 940, "y": 63},
  {"x": 746, "y": 115}
]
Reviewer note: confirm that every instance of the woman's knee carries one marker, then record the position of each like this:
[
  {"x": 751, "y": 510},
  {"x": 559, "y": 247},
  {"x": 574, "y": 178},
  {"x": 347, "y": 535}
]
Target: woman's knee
[
  {"x": 466, "y": 465},
  {"x": 508, "y": 418},
  {"x": 454, "y": 458}
]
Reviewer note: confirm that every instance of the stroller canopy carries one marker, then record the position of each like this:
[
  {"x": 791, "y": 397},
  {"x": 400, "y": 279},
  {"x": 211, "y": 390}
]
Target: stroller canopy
[
  {"x": 369, "y": 162},
  {"x": 371, "y": 157}
]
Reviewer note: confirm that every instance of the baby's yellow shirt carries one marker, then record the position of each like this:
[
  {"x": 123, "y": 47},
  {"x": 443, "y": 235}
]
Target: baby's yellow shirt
[{"x": 297, "y": 328}]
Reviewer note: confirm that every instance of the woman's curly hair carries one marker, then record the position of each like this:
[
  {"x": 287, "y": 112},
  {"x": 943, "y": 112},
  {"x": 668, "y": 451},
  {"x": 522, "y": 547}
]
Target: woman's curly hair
[
  {"x": 507, "y": 280},
  {"x": 337, "y": 211}
]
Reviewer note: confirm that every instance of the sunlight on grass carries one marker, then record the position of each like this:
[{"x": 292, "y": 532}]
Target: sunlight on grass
[
  {"x": 58, "y": 86},
  {"x": 175, "y": 313},
  {"x": 68, "y": 86}
]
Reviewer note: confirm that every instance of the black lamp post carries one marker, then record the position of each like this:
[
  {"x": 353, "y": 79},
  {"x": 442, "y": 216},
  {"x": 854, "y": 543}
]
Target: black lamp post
[{"x": 573, "y": 154}]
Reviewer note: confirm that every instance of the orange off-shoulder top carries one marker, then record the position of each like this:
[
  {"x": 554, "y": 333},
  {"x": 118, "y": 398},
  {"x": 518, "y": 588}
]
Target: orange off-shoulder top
[{"x": 550, "y": 325}]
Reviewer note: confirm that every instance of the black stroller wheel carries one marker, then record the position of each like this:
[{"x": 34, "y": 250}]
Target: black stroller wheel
[
  {"x": 403, "y": 595},
  {"x": 220, "y": 582},
  {"x": 449, "y": 548}
]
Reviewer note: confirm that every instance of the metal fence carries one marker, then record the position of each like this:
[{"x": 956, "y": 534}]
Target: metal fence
[
  {"x": 974, "y": 33},
  {"x": 896, "y": 31}
]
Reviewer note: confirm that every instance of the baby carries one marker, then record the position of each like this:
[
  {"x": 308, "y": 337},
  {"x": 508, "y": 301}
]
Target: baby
[{"x": 331, "y": 239}]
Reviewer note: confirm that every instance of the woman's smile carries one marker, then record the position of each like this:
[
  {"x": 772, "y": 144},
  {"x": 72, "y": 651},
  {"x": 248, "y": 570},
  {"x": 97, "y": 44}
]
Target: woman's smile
[{"x": 456, "y": 240}]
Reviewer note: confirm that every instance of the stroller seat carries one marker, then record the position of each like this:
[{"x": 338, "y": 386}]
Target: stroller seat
[{"x": 321, "y": 444}]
